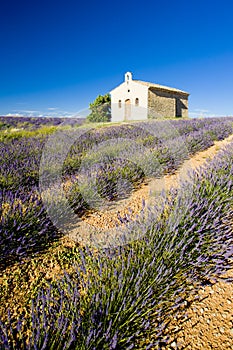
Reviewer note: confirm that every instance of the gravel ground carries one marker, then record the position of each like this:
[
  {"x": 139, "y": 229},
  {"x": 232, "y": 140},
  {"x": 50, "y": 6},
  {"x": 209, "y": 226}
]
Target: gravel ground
[{"x": 208, "y": 322}]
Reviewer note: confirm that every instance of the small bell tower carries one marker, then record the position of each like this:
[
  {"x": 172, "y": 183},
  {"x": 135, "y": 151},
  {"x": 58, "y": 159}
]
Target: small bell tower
[{"x": 128, "y": 77}]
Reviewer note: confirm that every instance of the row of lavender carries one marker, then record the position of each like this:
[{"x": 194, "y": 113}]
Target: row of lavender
[
  {"x": 119, "y": 299},
  {"x": 24, "y": 225},
  {"x": 20, "y": 158},
  {"x": 34, "y": 122}
]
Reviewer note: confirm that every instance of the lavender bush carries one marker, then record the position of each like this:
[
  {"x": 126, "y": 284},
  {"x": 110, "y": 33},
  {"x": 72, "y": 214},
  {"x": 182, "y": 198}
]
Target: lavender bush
[{"x": 24, "y": 226}]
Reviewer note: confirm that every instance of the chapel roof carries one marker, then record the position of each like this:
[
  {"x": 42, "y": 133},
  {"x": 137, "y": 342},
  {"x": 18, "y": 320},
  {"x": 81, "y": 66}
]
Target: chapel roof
[{"x": 160, "y": 87}]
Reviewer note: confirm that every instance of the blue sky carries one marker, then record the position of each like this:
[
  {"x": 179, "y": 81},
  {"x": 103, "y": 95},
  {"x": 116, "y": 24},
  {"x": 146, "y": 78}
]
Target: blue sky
[{"x": 57, "y": 56}]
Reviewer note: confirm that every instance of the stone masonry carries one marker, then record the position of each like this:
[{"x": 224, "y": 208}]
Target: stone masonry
[{"x": 167, "y": 103}]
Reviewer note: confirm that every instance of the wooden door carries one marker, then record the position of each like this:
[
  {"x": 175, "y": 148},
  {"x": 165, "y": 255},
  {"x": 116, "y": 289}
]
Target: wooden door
[{"x": 127, "y": 109}]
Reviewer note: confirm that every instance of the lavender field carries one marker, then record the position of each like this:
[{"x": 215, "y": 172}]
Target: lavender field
[{"x": 119, "y": 297}]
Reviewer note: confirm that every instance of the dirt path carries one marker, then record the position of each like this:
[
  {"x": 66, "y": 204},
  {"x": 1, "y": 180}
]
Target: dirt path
[{"x": 209, "y": 323}]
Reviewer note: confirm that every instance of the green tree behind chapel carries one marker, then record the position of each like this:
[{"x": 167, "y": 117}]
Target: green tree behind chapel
[{"x": 100, "y": 109}]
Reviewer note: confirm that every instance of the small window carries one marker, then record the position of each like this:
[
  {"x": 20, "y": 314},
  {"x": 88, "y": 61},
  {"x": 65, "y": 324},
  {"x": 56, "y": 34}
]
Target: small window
[
  {"x": 128, "y": 90},
  {"x": 136, "y": 101},
  {"x": 119, "y": 103}
]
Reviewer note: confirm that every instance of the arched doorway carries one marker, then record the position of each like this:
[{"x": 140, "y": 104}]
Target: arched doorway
[{"x": 127, "y": 109}]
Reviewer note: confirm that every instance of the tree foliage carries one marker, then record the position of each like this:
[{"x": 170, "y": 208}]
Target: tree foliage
[{"x": 100, "y": 109}]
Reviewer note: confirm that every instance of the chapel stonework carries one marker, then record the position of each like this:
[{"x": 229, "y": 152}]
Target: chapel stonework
[{"x": 140, "y": 100}]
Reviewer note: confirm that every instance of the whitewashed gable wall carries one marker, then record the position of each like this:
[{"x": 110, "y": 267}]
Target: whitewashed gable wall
[{"x": 129, "y": 90}]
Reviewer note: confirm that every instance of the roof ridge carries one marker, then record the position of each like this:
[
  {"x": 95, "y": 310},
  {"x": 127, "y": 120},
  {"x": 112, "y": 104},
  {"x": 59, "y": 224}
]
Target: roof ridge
[{"x": 159, "y": 86}]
